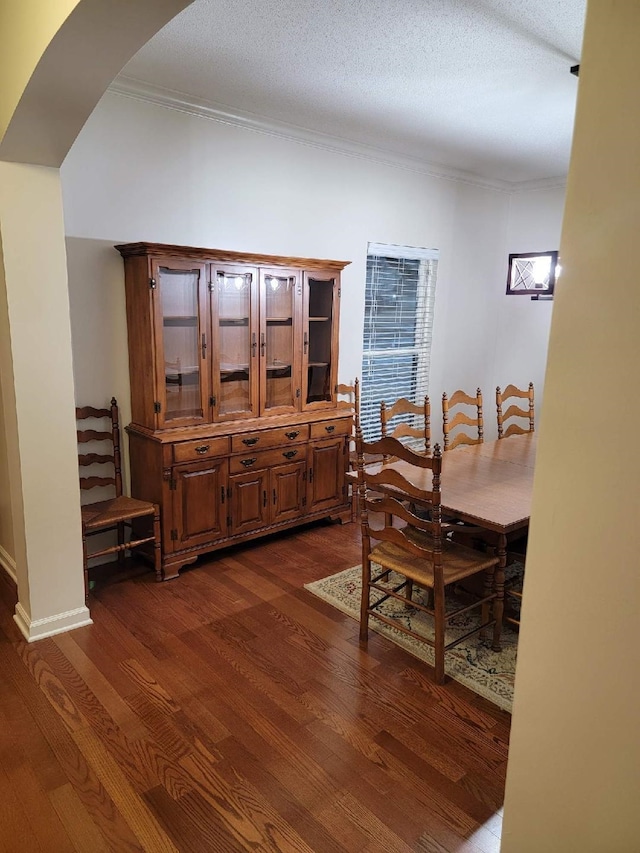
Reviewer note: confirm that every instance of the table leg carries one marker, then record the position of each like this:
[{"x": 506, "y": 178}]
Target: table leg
[{"x": 498, "y": 581}]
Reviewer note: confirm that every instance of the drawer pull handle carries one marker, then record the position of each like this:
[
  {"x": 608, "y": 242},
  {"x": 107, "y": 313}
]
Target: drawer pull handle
[
  {"x": 202, "y": 448},
  {"x": 250, "y": 441},
  {"x": 330, "y": 428},
  {"x": 293, "y": 434},
  {"x": 248, "y": 462},
  {"x": 289, "y": 454}
]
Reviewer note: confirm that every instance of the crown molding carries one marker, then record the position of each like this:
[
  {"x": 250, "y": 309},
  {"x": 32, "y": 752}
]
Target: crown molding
[
  {"x": 538, "y": 184},
  {"x": 130, "y": 88}
]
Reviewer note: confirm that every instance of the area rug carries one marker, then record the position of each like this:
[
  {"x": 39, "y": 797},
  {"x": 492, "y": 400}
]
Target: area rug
[{"x": 472, "y": 663}]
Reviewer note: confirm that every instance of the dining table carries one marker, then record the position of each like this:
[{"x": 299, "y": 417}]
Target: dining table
[{"x": 487, "y": 485}]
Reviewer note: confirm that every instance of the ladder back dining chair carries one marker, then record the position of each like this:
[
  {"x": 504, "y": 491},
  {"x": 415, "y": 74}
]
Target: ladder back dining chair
[
  {"x": 413, "y": 556},
  {"x": 116, "y": 513}
]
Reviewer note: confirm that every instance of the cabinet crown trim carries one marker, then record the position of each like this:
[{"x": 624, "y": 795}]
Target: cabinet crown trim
[{"x": 200, "y": 254}]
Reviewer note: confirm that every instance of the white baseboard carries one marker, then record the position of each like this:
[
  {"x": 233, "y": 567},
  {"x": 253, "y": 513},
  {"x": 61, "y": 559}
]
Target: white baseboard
[
  {"x": 8, "y": 564},
  {"x": 38, "y": 629}
]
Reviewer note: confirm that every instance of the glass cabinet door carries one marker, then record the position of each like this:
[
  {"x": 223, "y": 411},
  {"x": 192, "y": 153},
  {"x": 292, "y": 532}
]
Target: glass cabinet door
[
  {"x": 280, "y": 292},
  {"x": 181, "y": 340},
  {"x": 235, "y": 301},
  {"x": 320, "y": 339}
]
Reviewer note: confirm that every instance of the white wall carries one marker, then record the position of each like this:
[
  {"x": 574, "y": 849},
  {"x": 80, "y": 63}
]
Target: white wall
[
  {"x": 535, "y": 220},
  {"x": 143, "y": 172}
]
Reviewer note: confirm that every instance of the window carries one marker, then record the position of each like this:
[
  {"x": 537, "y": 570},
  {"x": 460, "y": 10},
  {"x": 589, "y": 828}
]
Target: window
[{"x": 398, "y": 322}]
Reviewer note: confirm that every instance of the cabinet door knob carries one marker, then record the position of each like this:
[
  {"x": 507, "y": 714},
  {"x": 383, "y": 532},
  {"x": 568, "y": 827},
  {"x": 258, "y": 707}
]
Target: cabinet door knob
[
  {"x": 202, "y": 448},
  {"x": 293, "y": 434},
  {"x": 248, "y": 462},
  {"x": 250, "y": 441},
  {"x": 330, "y": 428},
  {"x": 289, "y": 454}
]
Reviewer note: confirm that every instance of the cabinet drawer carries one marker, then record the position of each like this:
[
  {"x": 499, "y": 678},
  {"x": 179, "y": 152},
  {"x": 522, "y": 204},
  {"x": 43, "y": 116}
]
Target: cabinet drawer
[
  {"x": 328, "y": 429},
  {"x": 206, "y": 448},
  {"x": 269, "y": 438},
  {"x": 267, "y": 458}
]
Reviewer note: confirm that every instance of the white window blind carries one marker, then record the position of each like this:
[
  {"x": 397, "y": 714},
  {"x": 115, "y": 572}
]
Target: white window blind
[{"x": 398, "y": 323}]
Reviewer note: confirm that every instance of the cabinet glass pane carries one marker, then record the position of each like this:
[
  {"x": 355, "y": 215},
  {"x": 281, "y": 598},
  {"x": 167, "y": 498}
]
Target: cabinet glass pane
[
  {"x": 319, "y": 356},
  {"x": 234, "y": 339},
  {"x": 279, "y": 303},
  {"x": 181, "y": 336}
]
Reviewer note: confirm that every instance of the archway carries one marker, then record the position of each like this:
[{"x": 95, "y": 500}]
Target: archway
[{"x": 57, "y": 62}]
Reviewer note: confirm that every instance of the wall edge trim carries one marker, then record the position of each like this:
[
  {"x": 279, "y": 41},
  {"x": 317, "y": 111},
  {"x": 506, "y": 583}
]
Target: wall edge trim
[
  {"x": 59, "y": 623},
  {"x": 8, "y": 564}
]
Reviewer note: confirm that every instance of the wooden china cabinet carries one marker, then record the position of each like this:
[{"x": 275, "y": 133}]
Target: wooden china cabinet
[{"x": 233, "y": 361}]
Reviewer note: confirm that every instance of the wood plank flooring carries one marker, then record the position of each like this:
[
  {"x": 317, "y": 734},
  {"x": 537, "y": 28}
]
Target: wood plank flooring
[{"x": 231, "y": 710}]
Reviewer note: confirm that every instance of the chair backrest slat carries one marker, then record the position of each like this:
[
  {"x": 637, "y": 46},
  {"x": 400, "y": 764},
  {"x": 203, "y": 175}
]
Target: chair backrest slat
[
  {"x": 92, "y": 482},
  {"x": 93, "y": 435},
  {"x": 89, "y": 412},
  {"x": 85, "y": 459}
]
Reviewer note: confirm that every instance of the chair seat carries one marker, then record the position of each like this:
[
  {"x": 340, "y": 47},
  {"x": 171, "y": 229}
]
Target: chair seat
[
  {"x": 458, "y": 562},
  {"x": 103, "y": 513}
]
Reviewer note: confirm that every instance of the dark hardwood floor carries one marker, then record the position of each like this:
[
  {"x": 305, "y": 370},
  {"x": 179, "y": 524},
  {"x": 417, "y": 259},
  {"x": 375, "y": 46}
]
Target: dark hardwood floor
[{"x": 231, "y": 710}]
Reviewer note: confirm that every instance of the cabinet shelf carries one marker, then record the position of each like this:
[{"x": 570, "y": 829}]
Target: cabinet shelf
[
  {"x": 318, "y": 364},
  {"x": 280, "y": 320},
  {"x": 319, "y": 319},
  {"x": 234, "y": 321},
  {"x": 170, "y": 321},
  {"x": 240, "y": 374}
]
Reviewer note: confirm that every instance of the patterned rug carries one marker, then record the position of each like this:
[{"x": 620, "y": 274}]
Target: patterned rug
[{"x": 472, "y": 663}]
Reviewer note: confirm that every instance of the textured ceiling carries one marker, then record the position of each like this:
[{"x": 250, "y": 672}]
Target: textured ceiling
[{"x": 482, "y": 85}]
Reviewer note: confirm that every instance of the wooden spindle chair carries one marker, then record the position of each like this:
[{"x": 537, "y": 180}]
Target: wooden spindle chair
[
  {"x": 514, "y": 410},
  {"x": 461, "y": 418},
  {"x": 118, "y": 512},
  {"x": 417, "y": 551}
]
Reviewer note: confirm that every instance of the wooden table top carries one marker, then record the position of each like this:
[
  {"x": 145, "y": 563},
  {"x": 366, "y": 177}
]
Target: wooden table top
[
  {"x": 488, "y": 484},
  {"x": 517, "y": 449}
]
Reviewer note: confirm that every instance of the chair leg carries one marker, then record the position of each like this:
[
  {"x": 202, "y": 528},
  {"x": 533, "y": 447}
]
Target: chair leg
[
  {"x": 354, "y": 503},
  {"x": 85, "y": 568},
  {"x": 486, "y": 592},
  {"x": 498, "y": 583},
  {"x": 409, "y": 591},
  {"x": 157, "y": 551},
  {"x": 439, "y": 625},
  {"x": 364, "y": 600},
  {"x": 121, "y": 554}
]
